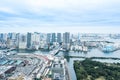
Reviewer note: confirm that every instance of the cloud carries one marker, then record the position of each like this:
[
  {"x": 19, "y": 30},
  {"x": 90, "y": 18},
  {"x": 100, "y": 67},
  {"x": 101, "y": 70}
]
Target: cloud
[{"x": 42, "y": 13}]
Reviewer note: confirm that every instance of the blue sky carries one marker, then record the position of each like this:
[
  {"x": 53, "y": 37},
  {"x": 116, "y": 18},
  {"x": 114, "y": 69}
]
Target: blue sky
[{"x": 60, "y": 16}]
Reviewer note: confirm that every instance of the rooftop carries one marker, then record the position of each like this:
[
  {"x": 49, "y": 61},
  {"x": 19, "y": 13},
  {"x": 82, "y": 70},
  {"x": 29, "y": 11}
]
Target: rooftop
[{"x": 3, "y": 69}]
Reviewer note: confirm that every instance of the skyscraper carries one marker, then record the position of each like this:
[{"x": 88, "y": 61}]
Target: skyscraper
[
  {"x": 29, "y": 40},
  {"x": 66, "y": 40},
  {"x": 66, "y": 37},
  {"x": 59, "y": 37},
  {"x": 35, "y": 40},
  {"x": 17, "y": 39},
  {"x": 53, "y": 37},
  {"x": 22, "y": 41},
  {"x": 1, "y": 35},
  {"x": 48, "y": 38},
  {"x": 5, "y": 36},
  {"x": 13, "y": 36}
]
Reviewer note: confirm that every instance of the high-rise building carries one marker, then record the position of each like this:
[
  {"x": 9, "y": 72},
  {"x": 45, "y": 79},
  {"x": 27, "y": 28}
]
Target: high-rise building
[
  {"x": 66, "y": 40},
  {"x": 4, "y": 36},
  {"x": 66, "y": 37},
  {"x": 1, "y": 36},
  {"x": 29, "y": 40},
  {"x": 22, "y": 41},
  {"x": 59, "y": 37},
  {"x": 17, "y": 39},
  {"x": 48, "y": 40},
  {"x": 13, "y": 36},
  {"x": 8, "y": 42},
  {"x": 35, "y": 40},
  {"x": 53, "y": 37}
]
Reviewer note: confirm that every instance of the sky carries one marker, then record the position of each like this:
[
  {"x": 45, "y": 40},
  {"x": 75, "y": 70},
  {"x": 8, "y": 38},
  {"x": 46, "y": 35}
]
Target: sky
[{"x": 85, "y": 16}]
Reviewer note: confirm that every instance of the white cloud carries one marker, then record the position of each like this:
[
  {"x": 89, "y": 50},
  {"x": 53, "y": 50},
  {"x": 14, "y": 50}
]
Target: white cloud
[
  {"x": 7, "y": 10},
  {"x": 65, "y": 5},
  {"x": 40, "y": 13}
]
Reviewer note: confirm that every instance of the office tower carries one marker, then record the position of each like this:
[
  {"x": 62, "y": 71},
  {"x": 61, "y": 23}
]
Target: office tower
[
  {"x": 59, "y": 37},
  {"x": 48, "y": 38},
  {"x": 66, "y": 40},
  {"x": 9, "y": 35},
  {"x": 53, "y": 37},
  {"x": 1, "y": 36},
  {"x": 66, "y": 37},
  {"x": 35, "y": 40},
  {"x": 22, "y": 41},
  {"x": 4, "y": 36},
  {"x": 17, "y": 40},
  {"x": 29, "y": 40},
  {"x": 13, "y": 36},
  {"x": 8, "y": 42}
]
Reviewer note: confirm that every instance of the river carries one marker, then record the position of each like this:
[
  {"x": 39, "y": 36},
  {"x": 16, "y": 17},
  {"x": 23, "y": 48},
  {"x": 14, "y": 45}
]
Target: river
[{"x": 91, "y": 53}]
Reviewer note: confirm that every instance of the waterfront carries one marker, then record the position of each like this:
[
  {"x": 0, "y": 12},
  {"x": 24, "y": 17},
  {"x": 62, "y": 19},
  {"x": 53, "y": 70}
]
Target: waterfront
[
  {"x": 39, "y": 34},
  {"x": 91, "y": 53}
]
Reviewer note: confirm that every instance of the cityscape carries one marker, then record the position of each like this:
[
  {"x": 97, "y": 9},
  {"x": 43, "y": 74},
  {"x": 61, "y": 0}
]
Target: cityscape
[
  {"x": 59, "y": 40},
  {"x": 37, "y": 55}
]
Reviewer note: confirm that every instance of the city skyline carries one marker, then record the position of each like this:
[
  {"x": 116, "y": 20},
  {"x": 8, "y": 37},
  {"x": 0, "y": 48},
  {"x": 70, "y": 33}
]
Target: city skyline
[
  {"x": 87, "y": 29},
  {"x": 94, "y": 16}
]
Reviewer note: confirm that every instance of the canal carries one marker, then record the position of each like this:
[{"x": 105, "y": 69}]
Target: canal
[{"x": 91, "y": 53}]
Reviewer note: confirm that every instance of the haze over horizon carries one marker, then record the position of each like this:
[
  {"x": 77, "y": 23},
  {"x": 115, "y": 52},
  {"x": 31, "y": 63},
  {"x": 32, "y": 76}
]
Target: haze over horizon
[{"x": 85, "y": 16}]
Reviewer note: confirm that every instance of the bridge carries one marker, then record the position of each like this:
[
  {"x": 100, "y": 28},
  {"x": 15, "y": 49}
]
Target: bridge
[
  {"x": 55, "y": 51},
  {"x": 8, "y": 50}
]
